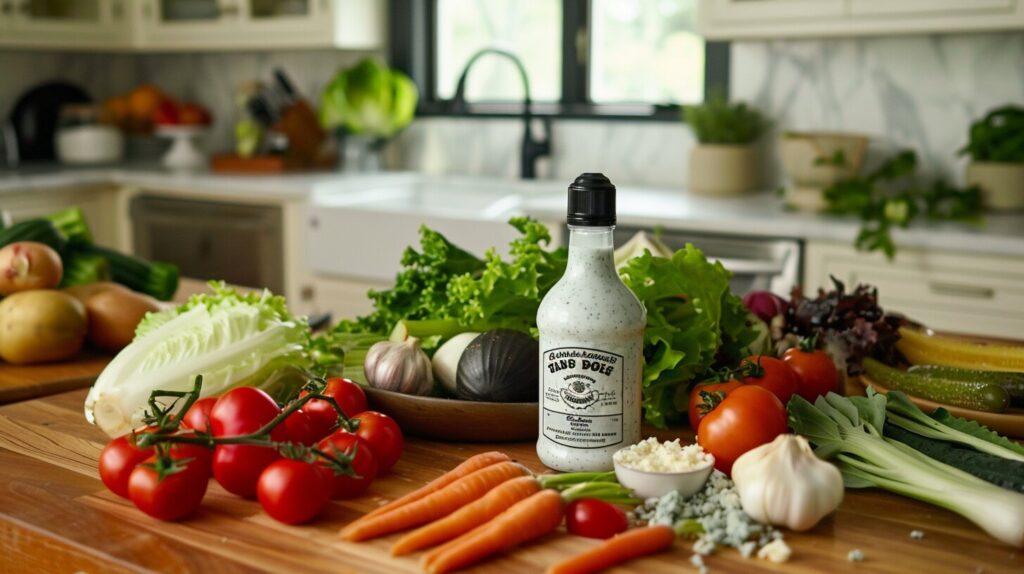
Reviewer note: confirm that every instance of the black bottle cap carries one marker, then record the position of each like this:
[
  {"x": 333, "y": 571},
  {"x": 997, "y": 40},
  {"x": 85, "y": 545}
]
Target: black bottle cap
[{"x": 591, "y": 201}]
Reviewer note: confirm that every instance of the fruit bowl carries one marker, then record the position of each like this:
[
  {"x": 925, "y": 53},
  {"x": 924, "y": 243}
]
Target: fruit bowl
[
  {"x": 183, "y": 153},
  {"x": 457, "y": 420}
]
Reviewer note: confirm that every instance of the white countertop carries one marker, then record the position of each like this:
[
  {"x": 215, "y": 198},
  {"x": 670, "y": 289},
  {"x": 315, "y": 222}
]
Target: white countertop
[
  {"x": 149, "y": 176},
  {"x": 761, "y": 214}
]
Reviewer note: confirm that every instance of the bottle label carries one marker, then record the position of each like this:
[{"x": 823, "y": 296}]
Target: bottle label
[{"x": 582, "y": 400}]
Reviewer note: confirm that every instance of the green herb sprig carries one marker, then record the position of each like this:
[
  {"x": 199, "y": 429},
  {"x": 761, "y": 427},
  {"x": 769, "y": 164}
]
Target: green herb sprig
[{"x": 890, "y": 197}]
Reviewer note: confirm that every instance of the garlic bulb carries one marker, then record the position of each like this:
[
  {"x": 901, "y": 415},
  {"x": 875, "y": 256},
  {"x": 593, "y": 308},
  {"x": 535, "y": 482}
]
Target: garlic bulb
[
  {"x": 401, "y": 367},
  {"x": 783, "y": 483}
]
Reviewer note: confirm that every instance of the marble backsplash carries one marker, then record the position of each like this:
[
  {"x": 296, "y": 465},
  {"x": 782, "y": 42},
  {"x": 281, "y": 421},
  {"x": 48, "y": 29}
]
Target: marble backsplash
[
  {"x": 920, "y": 92},
  {"x": 907, "y": 91},
  {"x": 211, "y": 79},
  {"x": 638, "y": 152}
]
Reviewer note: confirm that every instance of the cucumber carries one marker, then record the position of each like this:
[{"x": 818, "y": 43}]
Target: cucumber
[
  {"x": 39, "y": 230},
  {"x": 1012, "y": 382},
  {"x": 977, "y": 395},
  {"x": 154, "y": 278},
  {"x": 988, "y": 467}
]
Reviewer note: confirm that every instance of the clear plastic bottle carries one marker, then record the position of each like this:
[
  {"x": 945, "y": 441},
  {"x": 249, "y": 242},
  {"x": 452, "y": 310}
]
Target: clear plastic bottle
[{"x": 591, "y": 343}]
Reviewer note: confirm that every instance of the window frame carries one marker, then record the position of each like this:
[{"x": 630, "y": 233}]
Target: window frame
[{"x": 412, "y": 27}]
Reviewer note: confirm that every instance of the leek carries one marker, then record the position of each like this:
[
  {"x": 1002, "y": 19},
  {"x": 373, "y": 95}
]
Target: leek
[
  {"x": 229, "y": 338},
  {"x": 905, "y": 414},
  {"x": 849, "y": 431},
  {"x": 71, "y": 223}
]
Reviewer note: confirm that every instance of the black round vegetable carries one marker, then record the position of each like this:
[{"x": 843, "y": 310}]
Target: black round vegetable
[{"x": 500, "y": 366}]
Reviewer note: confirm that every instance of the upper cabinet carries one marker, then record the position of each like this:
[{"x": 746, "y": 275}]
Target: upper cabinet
[
  {"x": 258, "y": 24},
  {"x": 94, "y": 24},
  {"x": 737, "y": 19},
  {"x": 191, "y": 25}
]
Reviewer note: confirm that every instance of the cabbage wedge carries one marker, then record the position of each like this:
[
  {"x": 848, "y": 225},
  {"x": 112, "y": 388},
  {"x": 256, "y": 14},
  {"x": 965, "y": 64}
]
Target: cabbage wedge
[{"x": 229, "y": 338}]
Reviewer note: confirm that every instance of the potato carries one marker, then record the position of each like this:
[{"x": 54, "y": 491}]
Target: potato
[
  {"x": 40, "y": 326},
  {"x": 113, "y": 316},
  {"x": 84, "y": 292},
  {"x": 26, "y": 265}
]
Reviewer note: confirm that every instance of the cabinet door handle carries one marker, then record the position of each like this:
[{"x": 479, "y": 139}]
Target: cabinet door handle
[{"x": 959, "y": 290}]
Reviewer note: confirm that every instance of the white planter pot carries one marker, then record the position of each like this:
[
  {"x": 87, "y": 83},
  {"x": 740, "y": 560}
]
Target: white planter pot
[
  {"x": 1002, "y": 184},
  {"x": 805, "y": 157},
  {"x": 724, "y": 169}
]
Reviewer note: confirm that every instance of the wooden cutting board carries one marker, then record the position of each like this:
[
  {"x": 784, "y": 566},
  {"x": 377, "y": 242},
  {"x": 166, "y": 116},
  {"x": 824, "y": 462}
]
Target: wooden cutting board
[
  {"x": 55, "y": 516},
  {"x": 22, "y": 382}
]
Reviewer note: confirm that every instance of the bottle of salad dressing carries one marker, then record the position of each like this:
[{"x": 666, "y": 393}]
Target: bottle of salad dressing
[{"x": 591, "y": 343}]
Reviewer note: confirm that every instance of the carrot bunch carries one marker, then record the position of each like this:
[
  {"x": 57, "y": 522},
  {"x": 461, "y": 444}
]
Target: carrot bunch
[{"x": 483, "y": 506}]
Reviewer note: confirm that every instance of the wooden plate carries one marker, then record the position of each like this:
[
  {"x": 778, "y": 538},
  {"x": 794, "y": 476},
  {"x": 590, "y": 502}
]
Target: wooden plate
[
  {"x": 455, "y": 420},
  {"x": 1009, "y": 422}
]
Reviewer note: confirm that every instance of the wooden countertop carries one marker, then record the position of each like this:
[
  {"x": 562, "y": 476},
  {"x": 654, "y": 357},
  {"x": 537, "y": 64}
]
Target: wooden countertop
[
  {"x": 20, "y": 382},
  {"x": 55, "y": 516}
]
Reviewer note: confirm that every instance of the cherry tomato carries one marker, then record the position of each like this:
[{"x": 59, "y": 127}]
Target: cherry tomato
[
  {"x": 172, "y": 497},
  {"x": 349, "y": 396},
  {"x": 237, "y": 467},
  {"x": 364, "y": 464},
  {"x": 117, "y": 461},
  {"x": 816, "y": 371},
  {"x": 749, "y": 417},
  {"x": 701, "y": 405},
  {"x": 293, "y": 491},
  {"x": 244, "y": 410},
  {"x": 383, "y": 435},
  {"x": 778, "y": 377},
  {"x": 197, "y": 452},
  {"x": 595, "y": 518},
  {"x": 300, "y": 428},
  {"x": 198, "y": 416}
]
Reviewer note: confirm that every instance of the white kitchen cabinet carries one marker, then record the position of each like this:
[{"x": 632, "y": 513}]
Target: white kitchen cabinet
[
  {"x": 66, "y": 24},
  {"x": 98, "y": 205},
  {"x": 955, "y": 292},
  {"x": 343, "y": 298},
  {"x": 182, "y": 25},
  {"x": 738, "y": 19}
]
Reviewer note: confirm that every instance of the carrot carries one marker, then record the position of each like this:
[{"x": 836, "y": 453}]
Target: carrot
[
  {"x": 466, "y": 467},
  {"x": 436, "y": 504},
  {"x": 527, "y": 519},
  {"x": 468, "y": 517},
  {"x": 617, "y": 549}
]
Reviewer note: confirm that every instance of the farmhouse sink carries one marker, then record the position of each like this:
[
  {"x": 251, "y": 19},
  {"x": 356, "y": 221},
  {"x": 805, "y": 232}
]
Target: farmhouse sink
[{"x": 360, "y": 226}]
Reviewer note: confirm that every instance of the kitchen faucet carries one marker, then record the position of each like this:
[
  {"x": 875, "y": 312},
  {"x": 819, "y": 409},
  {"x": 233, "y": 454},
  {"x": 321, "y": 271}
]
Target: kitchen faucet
[{"x": 532, "y": 148}]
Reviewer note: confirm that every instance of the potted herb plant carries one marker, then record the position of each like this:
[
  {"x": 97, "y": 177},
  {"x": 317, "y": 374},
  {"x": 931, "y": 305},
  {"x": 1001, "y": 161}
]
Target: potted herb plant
[
  {"x": 996, "y": 147},
  {"x": 726, "y": 161}
]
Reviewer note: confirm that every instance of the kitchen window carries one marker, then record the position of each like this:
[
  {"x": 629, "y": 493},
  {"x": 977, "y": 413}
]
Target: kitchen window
[{"x": 630, "y": 59}]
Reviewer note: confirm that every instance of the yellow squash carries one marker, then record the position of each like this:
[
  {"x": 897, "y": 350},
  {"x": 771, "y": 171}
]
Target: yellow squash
[{"x": 924, "y": 349}]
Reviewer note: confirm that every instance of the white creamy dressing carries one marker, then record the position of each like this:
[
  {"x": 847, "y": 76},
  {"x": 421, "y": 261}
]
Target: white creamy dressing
[{"x": 591, "y": 339}]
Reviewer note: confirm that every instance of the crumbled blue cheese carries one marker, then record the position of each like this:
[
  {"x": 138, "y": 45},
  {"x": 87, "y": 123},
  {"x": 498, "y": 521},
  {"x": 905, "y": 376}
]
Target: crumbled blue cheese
[
  {"x": 916, "y": 534},
  {"x": 775, "y": 551},
  {"x": 717, "y": 510},
  {"x": 670, "y": 456},
  {"x": 855, "y": 555},
  {"x": 698, "y": 562}
]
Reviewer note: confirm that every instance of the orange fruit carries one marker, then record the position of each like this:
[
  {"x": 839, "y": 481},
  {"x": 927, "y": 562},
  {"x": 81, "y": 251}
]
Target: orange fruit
[{"x": 143, "y": 101}]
